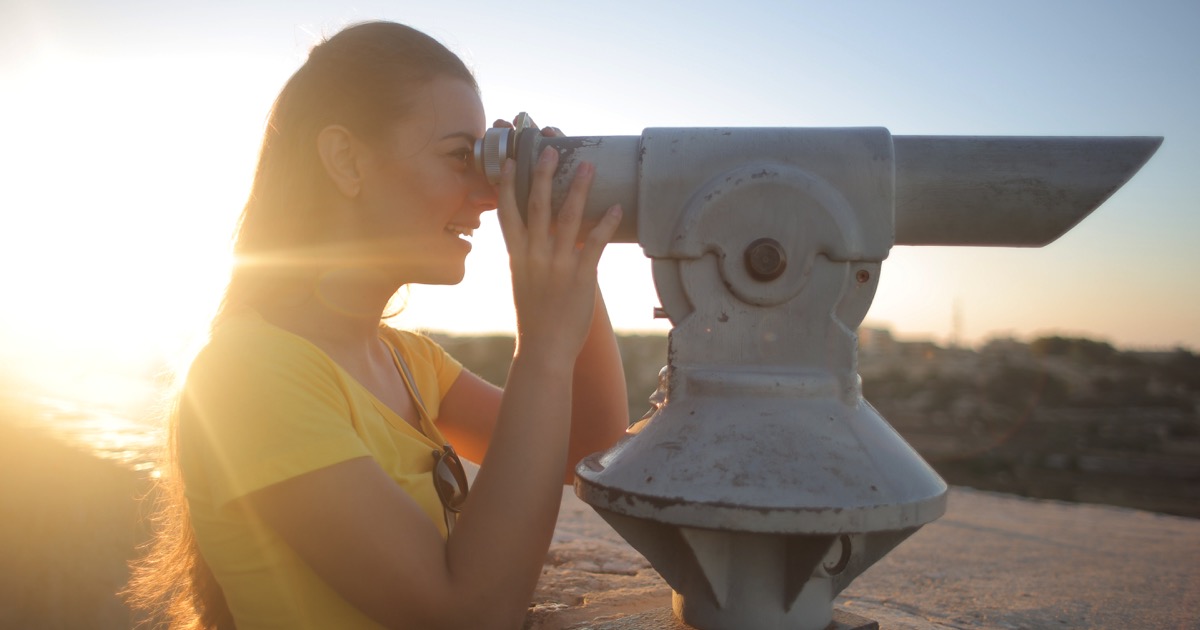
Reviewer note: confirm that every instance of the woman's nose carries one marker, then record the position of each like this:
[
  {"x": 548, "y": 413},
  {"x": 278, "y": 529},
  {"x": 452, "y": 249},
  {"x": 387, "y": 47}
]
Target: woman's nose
[{"x": 483, "y": 193}]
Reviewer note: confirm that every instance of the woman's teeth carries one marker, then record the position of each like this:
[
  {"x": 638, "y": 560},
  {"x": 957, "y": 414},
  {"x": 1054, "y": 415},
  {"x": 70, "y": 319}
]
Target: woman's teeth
[{"x": 459, "y": 230}]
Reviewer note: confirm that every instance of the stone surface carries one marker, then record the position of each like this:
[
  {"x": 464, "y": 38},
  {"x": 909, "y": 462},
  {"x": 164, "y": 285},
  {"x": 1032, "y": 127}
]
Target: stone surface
[{"x": 993, "y": 561}]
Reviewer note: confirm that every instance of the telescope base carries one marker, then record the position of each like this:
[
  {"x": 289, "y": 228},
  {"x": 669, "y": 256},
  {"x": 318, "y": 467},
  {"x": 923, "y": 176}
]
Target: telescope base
[
  {"x": 726, "y": 580},
  {"x": 665, "y": 619}
]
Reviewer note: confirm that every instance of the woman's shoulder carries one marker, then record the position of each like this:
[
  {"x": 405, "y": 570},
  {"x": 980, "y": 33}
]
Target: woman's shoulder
[
  {"x": 246, "y": 338},
  {"x": 411, "y": 340}
]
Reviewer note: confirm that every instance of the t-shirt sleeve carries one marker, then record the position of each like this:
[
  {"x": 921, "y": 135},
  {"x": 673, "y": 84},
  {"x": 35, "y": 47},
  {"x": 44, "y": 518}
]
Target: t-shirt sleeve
[{"x": 257, "y": 410}]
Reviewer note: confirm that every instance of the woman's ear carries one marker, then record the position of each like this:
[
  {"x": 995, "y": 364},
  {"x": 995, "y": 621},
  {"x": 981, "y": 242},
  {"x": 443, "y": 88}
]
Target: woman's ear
[{"x": 343, "y": 158}]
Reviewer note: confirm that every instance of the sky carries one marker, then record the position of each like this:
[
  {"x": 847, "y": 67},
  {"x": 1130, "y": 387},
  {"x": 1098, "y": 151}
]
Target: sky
[{"x": 131, "y": 130}]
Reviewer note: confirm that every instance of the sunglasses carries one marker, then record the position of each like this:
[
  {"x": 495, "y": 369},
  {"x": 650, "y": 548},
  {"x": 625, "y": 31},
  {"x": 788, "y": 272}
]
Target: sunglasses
[{"x": 450, "y": 481}]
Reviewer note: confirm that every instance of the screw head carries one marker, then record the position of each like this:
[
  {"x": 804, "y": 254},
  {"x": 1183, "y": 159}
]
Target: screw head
[
  {"x": 862, "y": 276},
  {"x": 765, "y": 259}
]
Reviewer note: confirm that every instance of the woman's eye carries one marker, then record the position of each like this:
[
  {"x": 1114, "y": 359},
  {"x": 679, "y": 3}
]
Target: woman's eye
[{"x": 462, "y": 155}]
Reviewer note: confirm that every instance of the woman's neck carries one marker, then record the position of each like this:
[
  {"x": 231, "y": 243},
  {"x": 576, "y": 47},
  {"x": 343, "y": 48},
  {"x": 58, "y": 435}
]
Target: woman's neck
[{"x": 339, "y": 306}]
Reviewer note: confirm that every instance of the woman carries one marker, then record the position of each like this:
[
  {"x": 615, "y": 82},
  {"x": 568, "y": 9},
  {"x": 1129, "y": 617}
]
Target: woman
[{"x": 308, "y": 437}]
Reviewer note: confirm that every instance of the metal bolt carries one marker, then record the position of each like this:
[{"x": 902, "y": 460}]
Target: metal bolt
[
  {"x": 765, "y": 259},
  {"x": 862, "y": 276}
]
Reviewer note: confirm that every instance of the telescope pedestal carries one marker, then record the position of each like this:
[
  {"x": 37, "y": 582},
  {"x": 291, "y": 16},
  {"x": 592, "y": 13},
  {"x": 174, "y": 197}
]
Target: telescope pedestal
[
  {"x": 763, "y": 483},
  {"x": 759, "y": 508}
]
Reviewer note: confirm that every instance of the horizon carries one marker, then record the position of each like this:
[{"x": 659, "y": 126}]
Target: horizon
[{"x": 871, "y": 327}]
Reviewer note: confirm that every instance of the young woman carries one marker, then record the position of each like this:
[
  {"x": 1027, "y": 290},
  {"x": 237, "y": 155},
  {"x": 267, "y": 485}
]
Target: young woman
[{"x": 313, "y": 477}]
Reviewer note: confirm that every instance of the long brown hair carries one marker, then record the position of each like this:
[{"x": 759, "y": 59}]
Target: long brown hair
[{"x": 360, "y": 78}]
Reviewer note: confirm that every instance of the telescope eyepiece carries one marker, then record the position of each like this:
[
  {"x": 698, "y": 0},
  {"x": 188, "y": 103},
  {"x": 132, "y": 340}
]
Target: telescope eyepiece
[{"x": 499, "y": 144}]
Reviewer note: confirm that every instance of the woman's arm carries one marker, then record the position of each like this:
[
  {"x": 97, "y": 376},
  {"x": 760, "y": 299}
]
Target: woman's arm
[
  {"x": 374, "y": 545},
  {"x": 599, "y": 407},
  {"x": 599, "y": 410},
  {"x": 371, "y": 542}
]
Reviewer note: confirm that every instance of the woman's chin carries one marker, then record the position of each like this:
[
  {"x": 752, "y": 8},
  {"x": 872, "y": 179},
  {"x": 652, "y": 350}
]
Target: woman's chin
[{"x": 445, "y": 276}]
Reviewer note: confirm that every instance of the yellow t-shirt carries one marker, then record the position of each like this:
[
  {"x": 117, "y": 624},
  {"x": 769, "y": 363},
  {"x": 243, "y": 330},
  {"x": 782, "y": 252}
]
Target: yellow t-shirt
[{"x": 261, "y": 405}]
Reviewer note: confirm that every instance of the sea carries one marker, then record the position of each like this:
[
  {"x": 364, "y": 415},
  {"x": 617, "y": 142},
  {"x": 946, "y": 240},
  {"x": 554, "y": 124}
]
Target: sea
[{"x": 130, "y": 435}]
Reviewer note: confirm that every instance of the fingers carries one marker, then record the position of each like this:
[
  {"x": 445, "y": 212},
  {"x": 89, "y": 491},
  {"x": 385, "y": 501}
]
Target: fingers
[
  {"x": 538, "y": 215},
  {"x": 515, "y": 235},
  {"x": 570, "y": 216},
  {"x": 543, "y": 236},
  {"x": 599, "y": 236}
]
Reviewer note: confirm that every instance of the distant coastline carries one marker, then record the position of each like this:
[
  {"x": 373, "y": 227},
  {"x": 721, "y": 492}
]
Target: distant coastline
[
  {"x": 114, "y": 435},
  {"x": 1058, "y": 418}
]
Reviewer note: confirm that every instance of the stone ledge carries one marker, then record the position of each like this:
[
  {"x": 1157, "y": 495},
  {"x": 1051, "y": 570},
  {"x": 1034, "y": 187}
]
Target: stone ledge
[{"x": 993, "y": 561}]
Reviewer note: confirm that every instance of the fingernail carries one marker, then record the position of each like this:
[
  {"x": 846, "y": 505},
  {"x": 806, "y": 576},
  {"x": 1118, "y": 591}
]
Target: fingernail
[
  {"x": 615, "y": 211},
  {"x": 586, "y": 169},
  {"x": 548, "y": 154},
  {"x": 507, "y": 166}
]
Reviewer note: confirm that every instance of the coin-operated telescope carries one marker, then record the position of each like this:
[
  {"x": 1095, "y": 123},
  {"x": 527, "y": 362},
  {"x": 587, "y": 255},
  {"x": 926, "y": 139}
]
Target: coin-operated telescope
[{"x": 762, "y": 483}]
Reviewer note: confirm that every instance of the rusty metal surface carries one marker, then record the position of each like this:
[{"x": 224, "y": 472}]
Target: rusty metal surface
[{"x": 763, "y": 483}]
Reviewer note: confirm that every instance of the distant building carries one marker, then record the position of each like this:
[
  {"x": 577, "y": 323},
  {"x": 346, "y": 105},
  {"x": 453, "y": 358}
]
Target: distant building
[
  {"x": 876, "y": 341},
  {"x": 1005, "y": 348}
]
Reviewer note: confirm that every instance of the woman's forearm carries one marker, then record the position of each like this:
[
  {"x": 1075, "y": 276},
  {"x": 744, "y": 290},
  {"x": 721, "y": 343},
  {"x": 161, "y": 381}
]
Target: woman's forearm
[
  {"x": 599, "y": 406},
  {"x": 523, "y": 447},
  {"x": 499, "y": 543}
]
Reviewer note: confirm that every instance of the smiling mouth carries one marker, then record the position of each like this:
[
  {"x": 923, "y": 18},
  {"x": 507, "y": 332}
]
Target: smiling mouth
[{"x": 460, "y": 230}]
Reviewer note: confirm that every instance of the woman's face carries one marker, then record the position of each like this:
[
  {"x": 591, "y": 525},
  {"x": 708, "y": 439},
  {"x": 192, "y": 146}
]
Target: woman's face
[{"x": 421, "y": 195}]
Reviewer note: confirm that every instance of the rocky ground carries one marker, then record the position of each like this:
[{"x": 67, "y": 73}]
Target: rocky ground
[
  {"x": 69, "y": 523},
  {"x": 993, "y": 561}
]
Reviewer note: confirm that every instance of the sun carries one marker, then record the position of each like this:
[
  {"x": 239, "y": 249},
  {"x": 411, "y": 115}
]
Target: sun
[{"x": 121, "y": 195}]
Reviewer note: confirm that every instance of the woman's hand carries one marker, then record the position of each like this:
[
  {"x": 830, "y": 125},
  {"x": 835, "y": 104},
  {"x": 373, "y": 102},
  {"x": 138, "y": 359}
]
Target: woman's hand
[
  {"x": 554, "y": 279},
  {"x": 548, "y": 132}
]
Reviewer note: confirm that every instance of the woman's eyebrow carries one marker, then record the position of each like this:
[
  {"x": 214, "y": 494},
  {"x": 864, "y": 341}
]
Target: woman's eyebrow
[{"x": 465, "y": 135}]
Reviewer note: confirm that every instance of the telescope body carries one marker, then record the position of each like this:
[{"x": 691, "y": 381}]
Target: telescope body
[{"x": 761, "y": 483}]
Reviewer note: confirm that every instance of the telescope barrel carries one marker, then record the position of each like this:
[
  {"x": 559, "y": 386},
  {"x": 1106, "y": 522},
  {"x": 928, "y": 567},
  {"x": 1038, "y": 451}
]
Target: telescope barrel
[{"x": 1004, "y": 191}]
